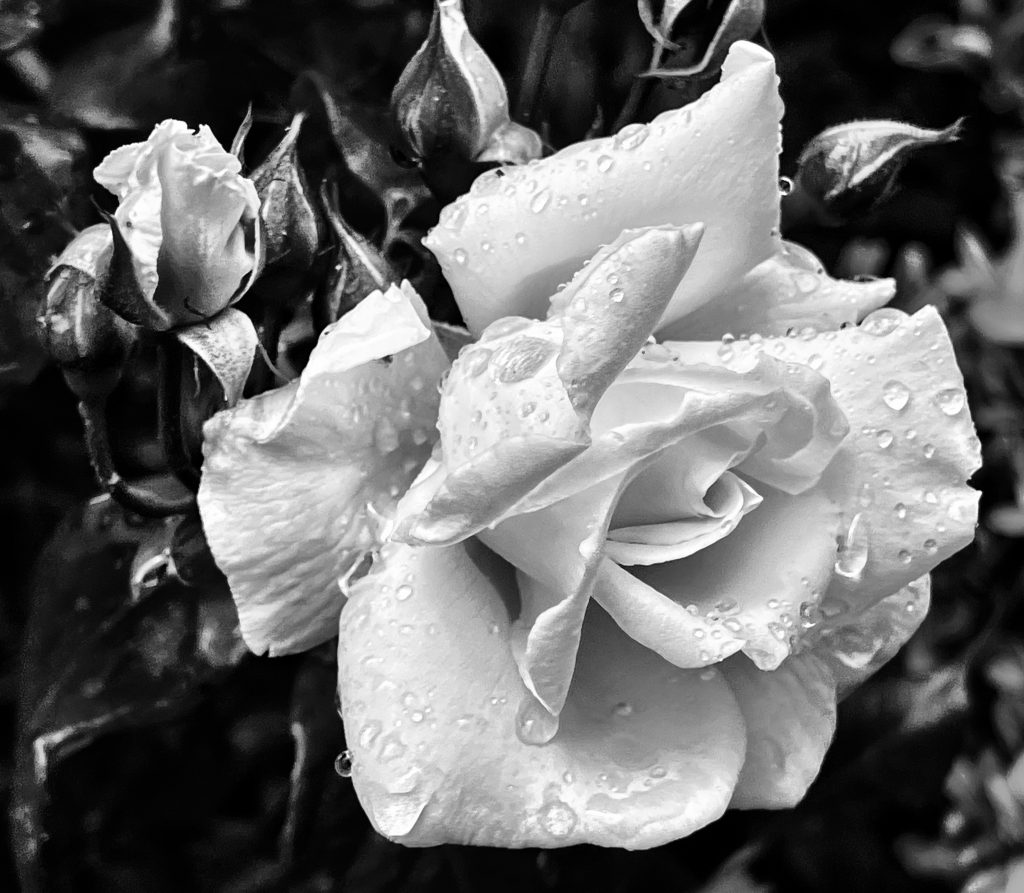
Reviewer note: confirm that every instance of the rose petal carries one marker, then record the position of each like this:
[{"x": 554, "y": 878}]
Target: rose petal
[
  {"x": 556, "y": 552},
  {"x": 644, "y": 754},
  {"x": 506, "y": 245},
  {"x": 912, "y": 446},
  {"x": 788, "y": 291},
  {"x": 791, "y": 716},
  {"x": 516, "y": 405},
  {"x": 671, "y": 540},
  {"x": 854, "y": 644},
  {"x": 751, "y": 586},
  {"x": 209, "y": 226},
  {"x": 132, "y": 165},
  {"x": 227, "y": 344},
  {"x": 289, "y": 476}
]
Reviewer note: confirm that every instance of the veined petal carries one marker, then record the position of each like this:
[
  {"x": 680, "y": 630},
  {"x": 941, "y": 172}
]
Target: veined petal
[
  {"x": 506, "y": 245},
  {"x": 295, "y": 480},
  {"x": 902, "y": 472},
  {"x": 644, "y": 754},
  {"x": 789, "y": 291},
  {"x": 790, "y": 715}
]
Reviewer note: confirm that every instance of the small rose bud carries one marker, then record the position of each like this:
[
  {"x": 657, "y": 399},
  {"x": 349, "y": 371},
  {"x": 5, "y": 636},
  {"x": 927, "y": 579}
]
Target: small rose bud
[
  {"x": 87, "y": 340},
  {"x": 290, "y": 223},
  {"x": 849, "y": 169},
  {"x": 451, "y": 98},
  {"x": 697, "y": 42},
  {"x": 186, "y": 239}
]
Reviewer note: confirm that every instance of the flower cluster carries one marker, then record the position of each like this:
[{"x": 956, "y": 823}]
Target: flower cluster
[{"x": 678, "y": 491}]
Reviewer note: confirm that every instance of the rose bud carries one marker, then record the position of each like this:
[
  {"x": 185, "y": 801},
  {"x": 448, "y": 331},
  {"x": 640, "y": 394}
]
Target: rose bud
[
  {"x": 849, "y": 169},
  {"x": 679, "y": 27},
  {"x": 451, "y": 99},
  {"x": 290, "y": 221},
  {"x": 87, "y": 340},
  {"x": 186, "y": 239}
]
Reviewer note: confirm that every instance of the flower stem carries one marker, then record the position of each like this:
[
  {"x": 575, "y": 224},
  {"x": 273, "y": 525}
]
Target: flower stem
[
  {"x": 136, "y": 499},
  {"x": 542, "y": 43},
  {"x": 637, "y": 94},
  {"x": 169, "y": 372}
]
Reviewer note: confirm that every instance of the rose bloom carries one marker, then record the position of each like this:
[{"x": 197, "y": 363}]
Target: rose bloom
[
  {"x": 189, "y": 218},
  {"x": 633, "y": 577}
]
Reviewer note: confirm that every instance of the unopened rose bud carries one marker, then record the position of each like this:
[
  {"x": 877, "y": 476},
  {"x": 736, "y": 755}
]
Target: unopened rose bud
[
  {"x": 87, "y": 340},
  {"x": 849, "y": 169},
  {"x": 290, "y": 221},
  {"x": 187, "y": 243},
  {"x": 695, "y": 38},
  {"x": 451, "y": 99}
]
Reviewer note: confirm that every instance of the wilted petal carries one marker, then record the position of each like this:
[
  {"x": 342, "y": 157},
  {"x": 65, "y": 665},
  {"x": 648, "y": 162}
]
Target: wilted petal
[
  {"x": 789, "y": 291},
  {"x": 902, "y": 471},
  {"x": 644, "y": 754},
  {"x": 295, "y": 480},
  {"x": 506, "y": 245},
  {"x": 791, "y": 716}
]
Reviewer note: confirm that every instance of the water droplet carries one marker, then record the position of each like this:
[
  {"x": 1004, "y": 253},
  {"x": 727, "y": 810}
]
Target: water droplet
[
  {"x": 900, "y": 510},
  {"x": 534, "y": 725},
  {"x": 616, "y": 295},
  {"x": 853, "y": 550},
  {"x": 520, "y": 238},
  {"x": 882, "y": 322},
  {"x": 557, "y": 818},
  {"x": 930, "y": 546},
  {"x": 904, "y": 556},
  {"x": 343, "y": 764},
  {"x": 460, "y": 256},
  {"x": 540, "y": 201},
  {"x": 385, "y": 436},
  {"x": 521, "y": 358},
  {"x": 951, "y": 401},
  {"x": 928, "y": 450},
  {"x": 884, "y": 438},
  {"x": 604, "y": 163},
  {"x": 785, "y": 185},
  {"x": 368, "y": 734},
  {"x": 403, "y": 592},
  {"x": 454, "y": 216},
  {"x": 896, "y": 395},
  {"x": 631, "y": 136},
  {"x": 623, "y": 708},
  {"x": 658, "y": 772}
]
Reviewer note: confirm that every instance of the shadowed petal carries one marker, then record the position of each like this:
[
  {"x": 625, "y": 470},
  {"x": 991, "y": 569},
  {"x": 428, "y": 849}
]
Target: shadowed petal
[
  {"x": 644, "y": 754},
  {"x": 790, "y": 714},
  {"x": 520, "y": 232},
  {"x": 289, "y": 476}
]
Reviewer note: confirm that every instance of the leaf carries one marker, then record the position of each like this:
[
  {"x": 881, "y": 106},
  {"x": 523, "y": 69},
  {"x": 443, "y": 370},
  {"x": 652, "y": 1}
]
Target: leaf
[
  {"x": 227, "y": 344},
  {"x": 114, "y": 641},
  {"x": 41, "y": 185}
]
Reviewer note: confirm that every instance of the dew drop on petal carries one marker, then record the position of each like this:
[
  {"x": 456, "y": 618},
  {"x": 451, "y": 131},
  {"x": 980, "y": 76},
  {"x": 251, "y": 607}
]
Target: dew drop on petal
[
  {"x": 460, "y": 256},
  {"x": 884, "y": 438},
  {"x": 853, "y": 550},
  {"x": 950, "y": 401},
  {"x": 343, "y": 764},
  {"x": 616, "y": 295},
  {"x": 557, "y": 818},
  {"x": 403, "y": 592},
  {"x": 896, "y": 395},
  {"x": 534, "y": 725},
  {"x": 882, "y": 322},
  {"x": 604, "y": 163},
  {"x": 521, "y": 358},
  {"x": 631, "y": 136},
  {"x": 540, "y": 201}
]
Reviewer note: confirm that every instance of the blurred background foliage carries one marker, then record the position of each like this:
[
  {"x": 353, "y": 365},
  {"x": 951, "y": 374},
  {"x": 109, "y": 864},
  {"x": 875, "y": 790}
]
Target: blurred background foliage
[{"x": 143, "y": 749}]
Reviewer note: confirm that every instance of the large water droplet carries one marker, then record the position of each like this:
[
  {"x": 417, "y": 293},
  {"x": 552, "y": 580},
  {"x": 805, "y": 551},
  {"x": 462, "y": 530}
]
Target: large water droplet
[
  {"x": 534, "y": 725},
  {"x": 951, "y": 401},
  {"x": 540, "y": 201},
  {"x": 520, "y": 358},
  {"x": 853, "y": 550},
  {"x": 604, "y": 163},
  {"x": 343, "y": 764},
  {"x": 882, "y": 322},
  {"x": 896, "y": 395},
  {"x": 631, "y": 136}
]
